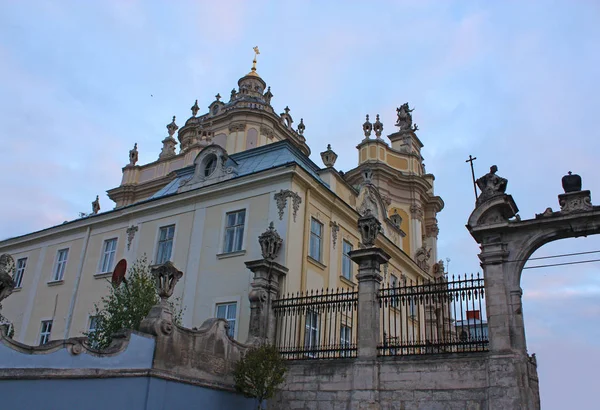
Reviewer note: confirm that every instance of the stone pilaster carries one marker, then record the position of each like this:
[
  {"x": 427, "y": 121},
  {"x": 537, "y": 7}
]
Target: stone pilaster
[
  {"x": 369, "y": 278},
  {"x": 264, "y": 289}
]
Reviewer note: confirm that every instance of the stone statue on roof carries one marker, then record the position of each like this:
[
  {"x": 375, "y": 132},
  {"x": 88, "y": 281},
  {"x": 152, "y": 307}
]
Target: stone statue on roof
[
  {"x": 491, "y": 185},
  {"x": 404, "y": 121},
  {"x": 133, "y": 155},
  {"x": 96, "y": 205}
]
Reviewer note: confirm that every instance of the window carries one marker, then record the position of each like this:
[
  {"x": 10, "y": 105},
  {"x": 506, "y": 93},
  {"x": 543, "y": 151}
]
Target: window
[
  {"x": 234, "y": 231},
  {"x": 394, "y": 291},
  {"x": 393, "y": 281},
  {"x": 108, "y": 255},
  {"x": 345, "y": 338},
  {"x": 165, "y": 244},
  {"x": 412, "y": 307},
  {"x": 346, "y": 261},
  {"x": 61, "y": 263},
  {"x": 227, "y": 311},
  {"x": 211, "y": 165},
  {"x": 18, "y": 277},
  {"x": 316, "y": 234},
  {"x": 93, "y": 324},
  {"x": 311, "y": 332},
  {"x": 45, "y": 331}
]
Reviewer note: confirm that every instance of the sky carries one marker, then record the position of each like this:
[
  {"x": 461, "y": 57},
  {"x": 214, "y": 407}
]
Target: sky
[{"x": 513, "y": 83}]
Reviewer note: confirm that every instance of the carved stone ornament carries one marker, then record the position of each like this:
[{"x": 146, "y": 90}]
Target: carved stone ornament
[
  {"x": 439, "y": 269},
  {"x": 404, "y": 121},
  {"x": 130, "y": 235},
  {"x": 329, "y": 157},
  {"x": 267, "y": 131},
  {"x": 301, "y": 127},
  {"x": 335, "y": 229},
  {"x": 491, "y": 185},
  {"x": 270, "y": 243},
  {"x": 195, "y": 109},
  {"x": 133, "y": 155},
  {"x": 422, "y": 256},
  {"x": 172, "y": 127},
  {"x": 168, "y": 148},
  {"x": 369, "y": 227},
  {"x": 571, "y": 202},
  {"x": 96, "y": 205},
  {"x": 378, "y": 127},
  {"x": 432, "y": 230},
  {"x": 237, "y": 126},
  {"x": 7, "y": 268},
  {"x": 166, "y": 277},
  {"x": 367, "y": 127},
  {"x": 416, "y": 211},
  {"x": 212, "y": 165},
  {"x": 281, "y": 199}
]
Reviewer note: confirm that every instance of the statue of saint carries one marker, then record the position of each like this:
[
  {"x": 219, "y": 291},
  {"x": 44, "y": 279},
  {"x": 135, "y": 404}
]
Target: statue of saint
[
  {"x": 404, "y": 120},
  {"x": 491, "y": 184},
  {"x": 133, "y": 155}
]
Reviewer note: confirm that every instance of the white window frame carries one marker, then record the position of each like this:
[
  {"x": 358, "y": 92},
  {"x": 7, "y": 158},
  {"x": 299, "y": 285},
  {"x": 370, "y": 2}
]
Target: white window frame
[
  {"x": 110, "y": 254},
  {"x": 311, "y": 331},
  {"x": 20, "y": 272},
  {"x": 158, "y": 243},
  {"x": 58, "y": 274},
  {"x": 233, "y": 207},
  {"x": 235, "y": 320},
  {"x": 91, "y": 320},
  {"x": 319, "y": 238},
  {"x": 45, "y": 334},
  {"x": 236, "y": 231},
  {"x": 346, "y": 261}
]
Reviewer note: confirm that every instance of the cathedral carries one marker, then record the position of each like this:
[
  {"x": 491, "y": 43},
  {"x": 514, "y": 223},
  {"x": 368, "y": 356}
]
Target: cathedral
[{"x": 218, "y": 182}]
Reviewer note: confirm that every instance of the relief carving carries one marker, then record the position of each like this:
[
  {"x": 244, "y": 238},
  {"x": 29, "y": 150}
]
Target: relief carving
[
  {"x": 281, "y": 199},
  {"x": 422, "y": 256},
  {"x": 237, "y": 126},
  {"x": 130, "y": 235},
  {"x": 416, "y": 211},
  {"x": 335, "y": 228}
]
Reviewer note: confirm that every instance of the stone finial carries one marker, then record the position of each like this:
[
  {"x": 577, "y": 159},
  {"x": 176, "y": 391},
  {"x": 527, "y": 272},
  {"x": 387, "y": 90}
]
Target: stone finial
[
  {"x": 270, "y": 243},
  {"x": 329, "y": 157},
  {"x": 172, "y": 127},
  {"x": 96, "y": 205},
  {"x": 286, "y": 109},
  {"x": 367, "y": 127},
  {"x": 168, "y": 148},
  {"x": 369, "y": 228},
  {"x": 268, "y": 95},
  {"x": 378, "y": 127},
  {"x": 218, "y": 97},
  {"x": 133, "y": 155},
  {"x": 404, "y": 121},
  {"x": 7, "y": 268},
  {"x": 194, "y": 109},
  {"x": 166, "y": 277},
  {"x": 301, "y": 127},
  {"x": 491, "y": 185},
  {"x": 233, "y": 92}
]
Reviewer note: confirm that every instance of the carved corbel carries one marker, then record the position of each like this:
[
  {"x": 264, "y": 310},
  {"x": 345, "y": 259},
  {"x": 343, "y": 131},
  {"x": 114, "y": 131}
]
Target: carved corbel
[{"x": 281, "y": 199}]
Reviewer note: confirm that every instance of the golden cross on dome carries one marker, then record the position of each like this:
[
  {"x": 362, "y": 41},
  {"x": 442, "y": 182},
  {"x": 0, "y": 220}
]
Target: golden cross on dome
[{"x": 256, "y": 52}]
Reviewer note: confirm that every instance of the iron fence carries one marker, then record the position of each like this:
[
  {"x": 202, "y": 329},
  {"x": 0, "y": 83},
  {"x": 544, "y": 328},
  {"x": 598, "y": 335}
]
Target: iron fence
[
  {"x": 317, "y": 325},
  {"x": 438, "y": 316}
]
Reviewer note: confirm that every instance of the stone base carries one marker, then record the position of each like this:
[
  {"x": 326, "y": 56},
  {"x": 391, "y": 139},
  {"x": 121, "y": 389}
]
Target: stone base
[{"x": 579, "y": 201}]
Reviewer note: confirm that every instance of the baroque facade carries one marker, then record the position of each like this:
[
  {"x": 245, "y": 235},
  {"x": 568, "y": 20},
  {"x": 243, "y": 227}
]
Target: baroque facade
[{"x": 217, "y": 184}]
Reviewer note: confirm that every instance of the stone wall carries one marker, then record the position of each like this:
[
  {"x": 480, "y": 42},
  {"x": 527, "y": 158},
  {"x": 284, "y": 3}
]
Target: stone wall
[{"x": 456, "y": 381}]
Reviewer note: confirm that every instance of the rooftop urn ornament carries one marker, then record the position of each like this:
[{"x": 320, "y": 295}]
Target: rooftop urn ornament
[
  {"x": 270, "y": 243},
  {"x": 166, "y": 277},
  {"x": 329, "y": 157},
  {"x": 7, "y": 268},
  {"x": 194, "y": 109},
  {"x": 233, "y": 92},
  {"x": 378, "y": 127},
  {"x": 369, "y": 228},
  {"x": 301, "y": 127},
  {"x": 133, "y": 155},
  {"x": 96, "y": 205},
  {"x": 491, "y": 185},
  {"x": 571, "y": 183},
  {"x": 268, "y": 95},
  {"x": 172, "y": 127},
  {"x": 367, "y": 127},
  {"x": 404, "y": 121}
]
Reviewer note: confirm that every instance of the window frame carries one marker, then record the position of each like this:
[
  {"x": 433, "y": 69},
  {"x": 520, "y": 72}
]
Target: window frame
[
  {"x": 346, "y": 261},
  {"x": 63, "y": 263},
  {"x": 159, "y": 242},
  {"x": 104, "y": 253},
  {"x": 239, "y": 231},
  {"x": 345, "y": 338},
  {"x": 45, "y": 334},
  {"x": 232, "y": 330},
  {"x": 311, "y": 331},
  {"x": 319, "y": 238},
  {"x": 20, "y": 272}
]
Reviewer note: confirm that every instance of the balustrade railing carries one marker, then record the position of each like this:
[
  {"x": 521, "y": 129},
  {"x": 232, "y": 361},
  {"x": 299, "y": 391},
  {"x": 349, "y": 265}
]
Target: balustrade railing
[
  {"x": 437, "y": 316},
  {"x": 317, "y": 325}
]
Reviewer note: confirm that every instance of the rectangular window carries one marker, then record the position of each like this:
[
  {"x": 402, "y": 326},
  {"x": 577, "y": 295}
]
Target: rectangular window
[
  {"x": 311, "y": 332},
  {"x": 316, "y": 234},
  {"x": 93, "y": 324},
  {"x": 108, "y": 255},
  {"x": 165, "y": 244},
  {"x": 234, "y": 231},
  {"x": 19, "y": 272},
  {"x": 227, "y": 311},
  {"x": 61, "y": 263},
  {"x": 345, "y": 338},
  {"x": 394, "y": 291},
  {"x": 346, "y": 261},
  {"x": 45, "y": 331}
]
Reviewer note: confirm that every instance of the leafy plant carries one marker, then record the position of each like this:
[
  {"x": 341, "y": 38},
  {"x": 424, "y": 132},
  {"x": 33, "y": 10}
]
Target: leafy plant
[
  {"x": 259, "y": 373},
  {"x": 127, "y": 305}
]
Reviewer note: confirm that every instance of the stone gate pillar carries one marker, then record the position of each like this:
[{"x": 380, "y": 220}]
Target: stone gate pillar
[
  {"x": 265, "y": 288},
  {"x": 369, "y": 260}
]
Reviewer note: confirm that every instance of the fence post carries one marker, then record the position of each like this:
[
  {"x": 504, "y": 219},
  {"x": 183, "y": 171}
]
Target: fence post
[
  {"x": 369, "y": 260},
  {"x": 265, "y": 288}
]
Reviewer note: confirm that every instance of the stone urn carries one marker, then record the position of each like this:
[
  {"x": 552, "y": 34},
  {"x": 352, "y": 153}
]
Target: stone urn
[{"x": 571, "y": 183}]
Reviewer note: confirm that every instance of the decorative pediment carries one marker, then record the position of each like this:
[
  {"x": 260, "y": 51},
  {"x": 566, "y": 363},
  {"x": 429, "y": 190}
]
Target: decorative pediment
[{"x": 212, "y": 165}]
